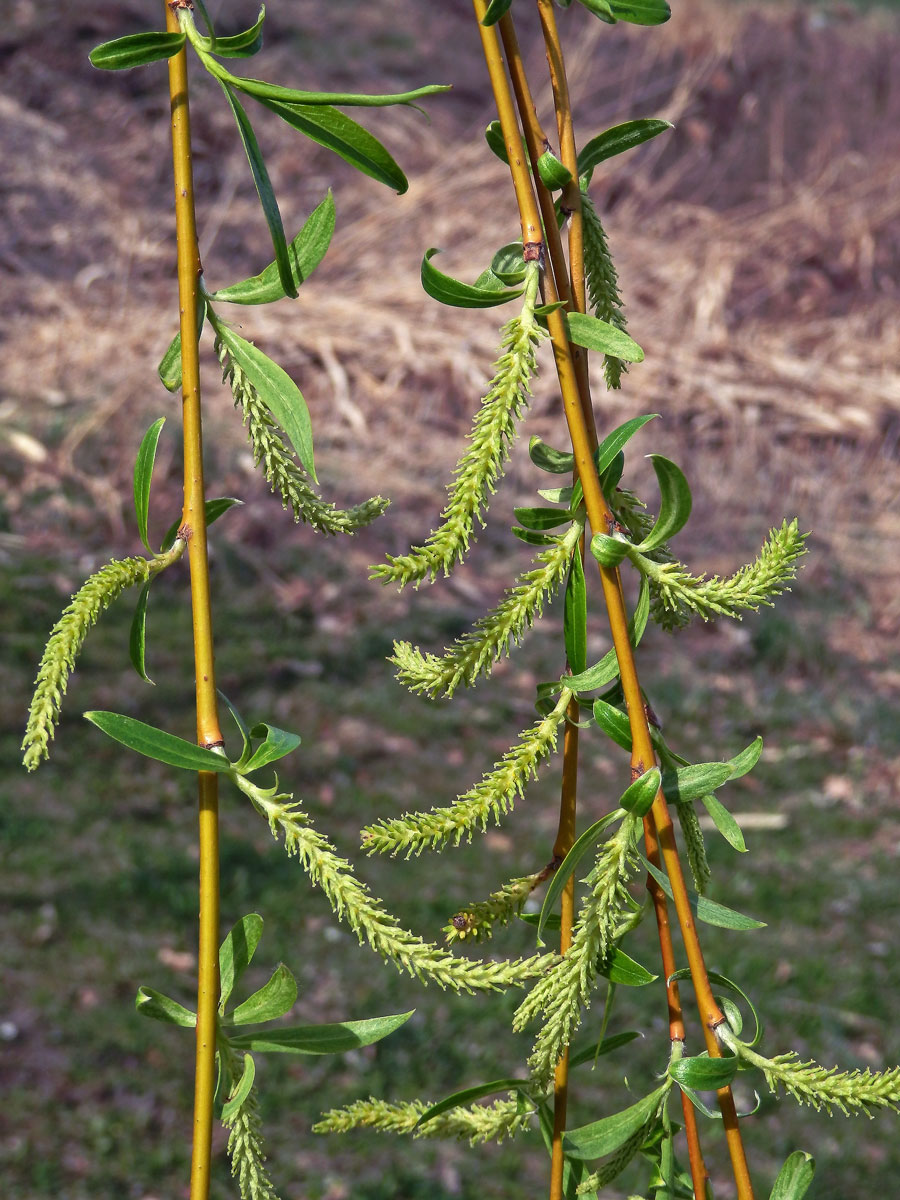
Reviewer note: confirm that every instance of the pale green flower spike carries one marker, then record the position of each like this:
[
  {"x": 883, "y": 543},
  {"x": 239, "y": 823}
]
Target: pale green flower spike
[
  {"x": 476, "y": 474},
  {"x": 493, "y": 796},
  {"x": 565, "y": 992},
  {"x": 245, "y": 1142},
  {"x": 284, "y": 474},
  {"x": 475, "y": 652},
  {"x": 602, "y": 284},
  {"x": 822, "y": 1087},
  {"x": 353, "y": 903},
  {"x": 632, "y": 512},
  {"x": 478, "y": 1123},
  {"x": 67, "y": 637},
  {"x": 695, "y": 846},
  {"x": 683, "y": 594},
  {"x": 477, "y": 921}
]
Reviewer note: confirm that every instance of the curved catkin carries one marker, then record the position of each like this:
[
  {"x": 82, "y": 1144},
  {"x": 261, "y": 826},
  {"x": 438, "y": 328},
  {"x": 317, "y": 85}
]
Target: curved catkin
[
  {"x": 246, "y": 1150},
  {"x": 478, "y": 1122},
  {"x": 67, "y": 637},
  {"x": 283, "y": 472},
  {"x": 602, "y": 285},
  {"x": 477, "y": 473}
]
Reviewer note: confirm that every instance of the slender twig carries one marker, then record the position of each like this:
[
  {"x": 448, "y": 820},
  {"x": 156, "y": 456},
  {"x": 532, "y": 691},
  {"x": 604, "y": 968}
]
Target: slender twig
[
  {"x": 600, "y": 519},
  {"x": 194, "y": 529}
]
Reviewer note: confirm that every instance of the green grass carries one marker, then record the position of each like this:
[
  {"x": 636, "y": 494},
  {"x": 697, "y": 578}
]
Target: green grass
[{"x": 99, "y": 893}]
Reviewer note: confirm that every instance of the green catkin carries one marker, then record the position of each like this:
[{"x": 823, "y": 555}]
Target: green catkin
[
  {"x": 694, "y": 845},
  {"x": 602, "y": 284},
  {"x": 617, "y": 1162},
  {"x": 492, "y": 797},
  {"x": 245, "y": 1143},
  {"x": 563, "y": 993},
  {"x": 476, "y": 474},
  {"x": 479, "y": 1122},
  {"x": 475, "y": 653},
  {"x": 632, "y": 512},
  {"x": 822, "y": 1087},
  {"x": 353, "y": 903},
  {"x": 283, "y": 472},
  {"x": 682, "y": 594},
  {"x": 477, "y": 921},
  {"x": 67, "y": 637}
]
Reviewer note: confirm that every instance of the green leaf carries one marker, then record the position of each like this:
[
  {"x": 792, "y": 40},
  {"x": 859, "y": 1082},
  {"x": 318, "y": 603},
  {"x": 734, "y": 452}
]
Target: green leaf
[
  {"x": 794, "y": 1177},
  {"x": 452, "y": 292},
  {"x": 556, "y": 462},
  {"x": 621, "y": 968},
  {"x": 744, "y": 762},
  {"x": 213, "y": 509},
  {"x": 606, "y": 1046},
  {"x": 554, "y": 175},
  {"x": 613, "y": 442},
  {"x": 594, "y": 334},
  {"x": 495, "y": 10},
  {"x": 240, "y": 45},
  {"x": 273, "y": 999},
  {"x": 237, "y": 950},
  {"x": 705, "y": 909},
  {"x": 703, "y": 1073},
  {"x": 467, "y": 1095},
  {"x": 615, "y": 141},
  {"x": 601, "y": 9},
  {"x": 265, "y": 192},
  {"x": 137, "y": 638},
  {"x": 607, "y": 669},
  {"x": 611, "y": 476},
  {"x": 542, "y": 518},
  {"x": 304, "y": 253},
  {"x": 614, "y": 723},
  {"x": 143, "y": 474},
  {"x": 508, "y": 265},
  {"x": 575, "y": 616},
  {"x": 691, "y": 782},
  {"x": 169, "y": 369},
  {"x": 725, "y": 823},
  {"x": 556, "y": 495},
  {"x": 135, "y": 50},
  {"x": 150, "y": 1003},
  {"x": 278, "y": 743},
  {"x": 638, "y": 797},
  {"x": 207, "y": 20},
  {"x": 584, "y": 845},
  {"x": 262, "y": 91},
  {"x": 322, "y": 1039},
  {"x": 608, "y": 1134},
  {"x": 609, "y": 551},
  {"x": 493, "y": 135},
  {"x": 278, "y": 392},
  {"x": 339, "y": 133},
  {"x": 640, "y": 12},
  {"x": 155, "y": 743},
  {"x": 531, "y": 536},
  {"x": 723, "y": 981},
  {"x": 241, "y": 1092},
  {"x": 674, "y": 505}
]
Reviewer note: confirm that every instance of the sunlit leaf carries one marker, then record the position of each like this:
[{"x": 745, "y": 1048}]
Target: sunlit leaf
[
  {"x": 613, "y": 442},
  {"x": 156, "y": 743},
  {"x": 594, "y": 334},
  {"x": 542, "y": 518},
  {"x": 236, "y": 953},
  {"x": 725, "y": 823},
  {"x": 607, "y": 669},
  {"x": 322, "y": 1039},
  {"x": 242, "y": 1091},
  {"x": 557, "y": 462},
  {"x": 609, "y": 551},
  {"x": 621, "y": 968},
  {"x": 135, "y": 50},
  {"x": 638, "y": 797},
  {"x": 575, "y": 616},
  {"x": 744, "y": 762},
  {"x": 703, "y": 1073},
  {"x": 137, "y": 637},
  {"x": 722, "y": 981},
  {"x": 495, "y": 10},
  {"x": 705, "y": 909},
  {"x": 304, "y": 253},
  {"x": 674, "y": 503},
  {"x": 794, "y": 1177},
  {"x": 508, "y": 264},
  {"x": 452, "y": 292},
  {"x": 273, "y": 1000},
  {"x": 240, "y": 45},
  {"x": 614, "y": 723},
  {"x": 608, "y": 1134},
  {"x": 601, "y": 9},
  {"x": 640, "y": 12},
  {"x": 278, "y": 743},
  {"x": 554, "y": 175},
  {"x": 150, "y": 1003},
  {"x": 615, "y": 141},
  {"x": 692, "y": 782},
  {"x": 143, "y": 475},
  {"x": 493, "y": 135}
]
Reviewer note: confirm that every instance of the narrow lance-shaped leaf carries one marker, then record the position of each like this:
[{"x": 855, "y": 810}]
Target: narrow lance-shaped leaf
[
  {"x": 239, "y": 45},
  {"x": 169, "y": 369},
  {"x": 156, "y": 743},
  {"x": 468, "y": 1095},
  {"x": 322, "y": 1039},
  {"x": 724, "y": 822},
  {"x": 495, "y": 10},
  {"x": 594, "y": 334},
  {"x": 703, "y": 1073},
  {"x": 606, "y": 670},
  {"x": 601, "y": 9},
  {"x": 305, "y": 253},
  {"x": 640, "y": 12},
  {"x": 615, "y": 141},
  {"x": 452, "y": 292},
  {"x": 150, "y": 1003},
  {"x": 137, "y": 637},
  {"x": 241, "y": 1091},
  {"x": 143, "y": 475},
  {"x": 273, "y": 1000},
  {"x": 620, "y": 967},
  {"x": 794, "y": 1178},
  {"x": 277, "y": 391},
  {"x": 600, "y": 1138},
  {"x": 563, "y": 873},
  {"x": 265, "y": 192},
  {"x": 613, "y": 442},
  {"x": 638, "y": 797},
  {"x": 236, "y": 953},
  {"x": 575, "y": 616},
  {"x": 674, "y": 503},
  {"x": 278, "y": 743},
  {"x": 693, "y": 781},
  {"x": 705, "y": 909},
  {"x": 614, "y": 723},
  {"x": 135, "y": 50}
]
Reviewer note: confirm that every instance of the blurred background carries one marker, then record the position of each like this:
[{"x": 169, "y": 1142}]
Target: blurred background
[{"x": 758, "y": 246}]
